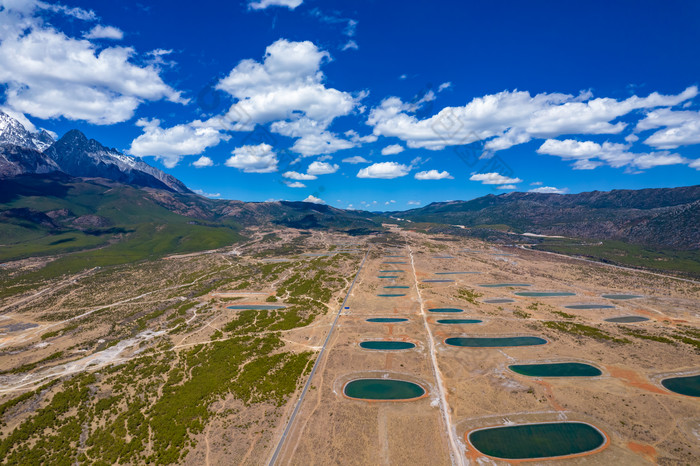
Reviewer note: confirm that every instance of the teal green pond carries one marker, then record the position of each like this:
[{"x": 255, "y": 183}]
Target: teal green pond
[
  {"x": 627, "y": 319},
  {"x": 459, "y": 321},
  {"x": 391, "y": 271},
  {"x": 398, "y": 286},
  {"x": 257, "y": 307},
  {"x": 689, "y": 386},
  {"x": 499, "y": 301},
  {"x": 494, "y": 342},
  {"x": 387, "y": 345},
  {"x": 383, "y": 390},
  {"x": 559, "y": 369},
  {"x": 502, "y": 285},
  {"x": 386, "y": 320},
  {"x": 438, "y": 280},
  {"x": 590, "y": 306},
  {"x": 621, "y": 296},
  {"x": 543, "y": 294},
  {"x": 391, "y": 295},
  {"x": 388, "y": 276},
  {"x": 445, "y": 309},
  {"x": 530, "y": 441}
]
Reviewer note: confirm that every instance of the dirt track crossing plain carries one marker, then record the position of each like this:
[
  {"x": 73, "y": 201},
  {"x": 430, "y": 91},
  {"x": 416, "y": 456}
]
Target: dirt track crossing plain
[{"x": 576, "y": 370}]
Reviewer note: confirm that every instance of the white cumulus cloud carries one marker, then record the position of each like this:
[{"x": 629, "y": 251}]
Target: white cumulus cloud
[
  {"x": 314, "y": 199},
  {"x": 171, "y": 144},
  {"x": 355, "y": 159},
  {"x": 512, "y": 117},
  {"x": 493, "y": 178},
  {"x": 433, "y": 175},
  {"x": 263, "y": 4},
  {"x": 549, "y": 190},
  {"x": 321, "y": 168},
  {"x": 588, "y": 155},
  {"x": 203, "y": 161},
  {"x": 48, "y": 74},
  {"x": 104, "y": 32},
  {"x": 392, "y": 149},
  {"x": 254, "y": 159},
  {"x": 384, "y": 170},
  {"x": 292, "y": 175},
  {"x": 295, "y": 184}
]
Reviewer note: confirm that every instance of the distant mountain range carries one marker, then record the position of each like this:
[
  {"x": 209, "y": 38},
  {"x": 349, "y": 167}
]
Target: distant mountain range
[
  {"x": 68, "y": 185},
  {"x": 23, "y": 152},
  {"x": 666, "y": 217}
]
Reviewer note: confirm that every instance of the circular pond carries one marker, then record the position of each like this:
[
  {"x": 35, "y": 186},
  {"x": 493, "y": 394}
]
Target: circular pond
[
  {"x": 543, "y": 294},
  {"x": 532, "y": 441},
  {"x": 689, "y": 386},
  {"x": 621, "y": 296},
  {"x": 387, "y": 320},
  {"x": 383, "y": 390},
  {"x": 445, "y": 309},
  {"x": 499, "y": 301},
  {"x": 387, "y": 345},
  {"x": 459, "y": 321},
  {"x": 494, "y": 342},
  {"x": 256, "y": 307},
  {"x": 590, "y": 306},
  {"x": 558, "y": 369},
  {"x": 502, "y": 285},
  {"x": 627, "y": 319}
]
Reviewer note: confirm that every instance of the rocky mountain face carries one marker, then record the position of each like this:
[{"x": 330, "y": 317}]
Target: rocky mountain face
[
  {"x": 82, "y": 157},
  {"x": 667, "y": 217},
  {"x": 12, "y": 132},
  {"x": 23, "y": 152}
]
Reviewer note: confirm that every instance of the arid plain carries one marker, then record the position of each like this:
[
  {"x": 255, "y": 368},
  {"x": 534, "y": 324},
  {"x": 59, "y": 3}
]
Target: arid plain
[{"x": 134, "y": 346}]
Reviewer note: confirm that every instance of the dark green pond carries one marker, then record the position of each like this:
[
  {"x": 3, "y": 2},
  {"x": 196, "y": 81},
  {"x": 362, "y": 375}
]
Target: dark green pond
[
  {"x": 383, "y": 389},
  {"x": 543, "y": 294},
  {"x": 501, "y": 285},
  {"x": 590, "y": 306},
  {"x": 459, "y": 321},
  {"x": 257, "y": 307},
  {"x": 386, "y": 320},
  {"x": 537, "y": 440},
  {"x": 391, "y": 295},
  {"x": 398, "y": 286},
  {"x": 627, "y": 319},
  {"x": 559, "y": 369},
  {"x": 387, "y": 345},
  {"x": 689, "y": 386},
  {"x": 621, "y": 296},
  {"x": 438, "y": 280},
  {"x": 499, "y": 301},
  {"x": 494, "y": 342},
  {"x": 445, "y": 309},
  {"x": 388, "y": 276}
]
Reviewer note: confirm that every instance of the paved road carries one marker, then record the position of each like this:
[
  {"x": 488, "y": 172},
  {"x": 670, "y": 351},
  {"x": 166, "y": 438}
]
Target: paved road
[{"x": 278, "y": 449}]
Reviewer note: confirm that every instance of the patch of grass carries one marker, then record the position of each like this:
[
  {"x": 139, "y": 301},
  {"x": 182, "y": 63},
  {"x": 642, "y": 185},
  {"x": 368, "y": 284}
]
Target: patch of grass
[
  {"x": 564, "y": 315},
  {"x": 469, "y": 295},
  {"x": 521, "y": 314},
  {"x": 577, "y": 329}
]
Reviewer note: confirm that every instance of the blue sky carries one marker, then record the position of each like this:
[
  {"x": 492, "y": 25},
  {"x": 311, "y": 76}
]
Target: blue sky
[{"x": 368, "y": 104}]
